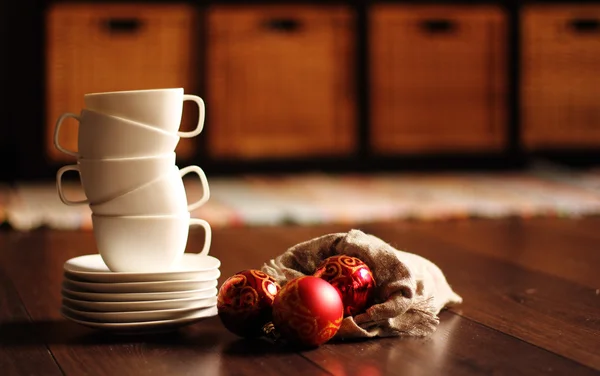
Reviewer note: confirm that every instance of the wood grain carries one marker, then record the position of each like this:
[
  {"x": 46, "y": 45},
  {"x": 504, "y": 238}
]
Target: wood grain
[
  {"x": 458, "y": 346},
  {"x": 281, "y": 81},
  {"x": 546, "y": 311},
  {"x": 205, "y": 348},
  {"x": 437, "y": 88},
  {"x": 516, "y": 319},
  {"x": 22, "y": 351},
  {"x": 532, "y": 245}
]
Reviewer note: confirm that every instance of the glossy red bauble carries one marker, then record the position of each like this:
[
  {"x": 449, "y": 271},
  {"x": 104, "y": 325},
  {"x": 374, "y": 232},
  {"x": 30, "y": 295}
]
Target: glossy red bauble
[
  {"x": 308, "y": 311},
  {"x": 245, "y": 302},
  {"x": 352, "y": 278}
]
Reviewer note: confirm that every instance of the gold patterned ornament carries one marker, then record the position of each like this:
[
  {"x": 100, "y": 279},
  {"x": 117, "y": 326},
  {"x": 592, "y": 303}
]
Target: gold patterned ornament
[
  {"x": 245, "y": 302},
  {"x": 352, "y": 278},
  {"x": 308, "y": 311}
]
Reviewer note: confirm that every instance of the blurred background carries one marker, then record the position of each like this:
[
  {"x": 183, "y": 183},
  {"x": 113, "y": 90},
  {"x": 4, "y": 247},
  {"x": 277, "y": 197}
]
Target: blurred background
[{"x": 348, "y": 92}]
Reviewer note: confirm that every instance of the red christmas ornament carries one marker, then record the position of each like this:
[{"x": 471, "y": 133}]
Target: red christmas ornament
[
  {"x": 352, "y": 278},
  {"x": 245, "y": 302},
  {"x": 308, "y": 311}
]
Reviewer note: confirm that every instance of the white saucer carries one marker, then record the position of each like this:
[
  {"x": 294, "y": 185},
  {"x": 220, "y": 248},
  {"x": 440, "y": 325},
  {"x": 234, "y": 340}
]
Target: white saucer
[
  {"x": 136, "y": 297},
  {"x": 139, "y": 316},
  {"x": 146, "y": 326},
  {"x": 143, "y": 287},
  {"x": 93, "y": 269},
  {"x": 150, "y": 305}
]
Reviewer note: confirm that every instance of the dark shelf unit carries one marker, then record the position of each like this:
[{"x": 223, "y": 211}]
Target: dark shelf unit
[{"x": 22, "y": 77}]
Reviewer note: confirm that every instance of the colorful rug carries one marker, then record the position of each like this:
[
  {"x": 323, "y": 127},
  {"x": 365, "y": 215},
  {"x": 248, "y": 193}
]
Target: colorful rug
[{"x": 350, "y": 198}]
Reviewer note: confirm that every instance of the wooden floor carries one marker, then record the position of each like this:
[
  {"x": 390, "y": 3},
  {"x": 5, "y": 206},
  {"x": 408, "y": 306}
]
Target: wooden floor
[{"x": 531, "y": 292}]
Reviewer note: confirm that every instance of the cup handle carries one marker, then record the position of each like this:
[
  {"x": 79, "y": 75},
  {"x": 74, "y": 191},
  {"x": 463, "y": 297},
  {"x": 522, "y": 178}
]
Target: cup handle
[
  {"x": 203, "y": 181},
  {"x": 201, "y": 116},
  {"x": 59, "y": 122},
  {"x": 207, "y": 231},
  {"x": 61, "y": 194}
]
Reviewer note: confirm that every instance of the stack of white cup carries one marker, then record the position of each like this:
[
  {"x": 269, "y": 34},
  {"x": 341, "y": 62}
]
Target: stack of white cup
[{"x": 126, "y": 162}]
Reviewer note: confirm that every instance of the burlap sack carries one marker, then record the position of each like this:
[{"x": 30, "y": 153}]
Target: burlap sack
[{"x": 410, "y": 292}]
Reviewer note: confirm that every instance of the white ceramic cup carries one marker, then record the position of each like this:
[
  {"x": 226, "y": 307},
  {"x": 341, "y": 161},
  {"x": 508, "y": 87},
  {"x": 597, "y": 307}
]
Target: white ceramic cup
[
  {"x": 160, "y": 108},
  {"x": 145, "y": 243},
  {"x": 107, "y": 179},
  {"x": 163, "y": 196},
  {"x": 103, "y": 136}
]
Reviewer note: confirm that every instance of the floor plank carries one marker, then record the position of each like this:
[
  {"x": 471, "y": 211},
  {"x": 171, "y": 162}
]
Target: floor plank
[
  {"x": 516, "y": 319},
  {"x": 543, "y": 310},
  {"x": 496, "y": 295},
  {"x": 21, "y": 356},
  {"x": 205, "y": 348},
  {"x": 458, "y": 347},
  {"x": 586, "y": 227},
  {"x": 531, "y": 244}
]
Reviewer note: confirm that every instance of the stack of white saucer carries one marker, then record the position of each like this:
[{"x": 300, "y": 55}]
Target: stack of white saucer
[
  {"x": 141, "y": 277},
  {"x": 132, "y": 302}
]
